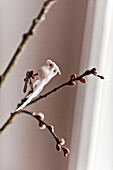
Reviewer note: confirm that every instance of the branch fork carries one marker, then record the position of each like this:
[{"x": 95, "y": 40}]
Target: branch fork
[
  {"x": 42, "y": 14},
  {"x": 31, "y": 75},
  {"x": 40, "y": 117}
]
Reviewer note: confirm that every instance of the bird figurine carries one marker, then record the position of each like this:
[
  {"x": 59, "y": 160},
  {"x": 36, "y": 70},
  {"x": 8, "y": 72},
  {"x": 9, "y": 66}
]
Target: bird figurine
[{"x": 44, "y": 74}]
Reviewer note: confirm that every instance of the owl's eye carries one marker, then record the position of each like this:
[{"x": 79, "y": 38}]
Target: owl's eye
[
  {"x": 54, "y": 71},
  {"x": 50, "y": 65}
]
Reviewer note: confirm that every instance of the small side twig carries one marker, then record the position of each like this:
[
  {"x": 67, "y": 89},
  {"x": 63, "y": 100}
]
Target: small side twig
[
  {"x": 42, "y": 125},
  {"x": 46, "y": 6},
  {"x": 70, "y": 82}
]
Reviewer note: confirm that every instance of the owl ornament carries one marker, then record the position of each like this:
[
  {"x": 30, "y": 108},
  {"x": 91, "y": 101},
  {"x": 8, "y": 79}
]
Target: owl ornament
[{"x": 44, "y": 74}]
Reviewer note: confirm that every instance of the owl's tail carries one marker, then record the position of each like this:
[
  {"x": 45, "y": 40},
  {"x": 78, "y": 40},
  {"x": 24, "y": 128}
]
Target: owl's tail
[
  {"x": 24, "y": 103},
  {"x": 31, "y": 96}
]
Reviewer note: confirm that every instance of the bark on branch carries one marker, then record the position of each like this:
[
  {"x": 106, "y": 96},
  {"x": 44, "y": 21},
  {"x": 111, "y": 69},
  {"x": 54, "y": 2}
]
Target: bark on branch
[
  {"x": 70, "y": 82},
  {"x": 41, "y": 16}
]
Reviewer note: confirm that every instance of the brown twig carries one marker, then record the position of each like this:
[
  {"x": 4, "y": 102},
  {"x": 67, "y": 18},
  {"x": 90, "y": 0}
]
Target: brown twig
[
  {"x": 40, "y": 117},
  {"x": 59, "y": 141},
  {"x": 71, "y": 82},
  {"x": 8, "y": 122},
  {"x": 47, "y": 4}
]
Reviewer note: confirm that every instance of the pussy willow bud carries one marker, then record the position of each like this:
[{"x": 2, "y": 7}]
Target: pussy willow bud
[
  {"x": 58, "y": 147},
  {"x": 66, "y": 151},
  {"x": 61, "y": 141},
  {"x": 41, "y": 116},
  {"x": 42, "y": 126},
  {"x": 73, "y": 76},
  {"x": 34, "y": 114},
  {"x": 51, "y": 128},
  {"x": 94, "y": 71},
  {"x": 83, "y": 80},
  {"x": 65, "y": 155},
  {"x": 72, "y": 83}
]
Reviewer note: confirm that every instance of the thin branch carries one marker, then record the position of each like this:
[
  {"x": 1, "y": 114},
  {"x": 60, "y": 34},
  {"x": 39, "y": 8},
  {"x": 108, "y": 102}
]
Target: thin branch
[
  {"x": 8, "y": 122},
  {"x": 71, "y": 82},
  {"x": 36, "y": 116},
  {"x": 46, "y": 6},
  {"x": 42, "y": 125}
]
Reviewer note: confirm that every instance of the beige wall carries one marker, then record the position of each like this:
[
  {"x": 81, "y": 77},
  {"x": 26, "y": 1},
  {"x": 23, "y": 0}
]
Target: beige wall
[{"x": 23, "y": 146}]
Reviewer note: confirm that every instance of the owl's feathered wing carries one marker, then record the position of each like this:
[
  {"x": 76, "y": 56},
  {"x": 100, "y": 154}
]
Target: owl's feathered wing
[
  {"x": 38, "y": 87},
  {"x": 45, "y": 74}
]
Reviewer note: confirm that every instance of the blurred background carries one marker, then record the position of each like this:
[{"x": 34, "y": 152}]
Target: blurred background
[{"x": 76, "y": 35}]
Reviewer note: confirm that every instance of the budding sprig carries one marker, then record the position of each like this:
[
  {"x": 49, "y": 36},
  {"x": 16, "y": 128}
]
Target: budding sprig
[
  {"x": 42, "y": 125},
  {"x": 95, "y": 73},
  {"x": 59, "y": 146},
  {"x": 82, "y": 78},
  {"x": 70, "y": 82}
]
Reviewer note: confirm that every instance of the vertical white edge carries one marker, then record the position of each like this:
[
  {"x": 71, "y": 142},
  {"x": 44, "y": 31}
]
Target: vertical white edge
[{"x": 86, "y": 96}]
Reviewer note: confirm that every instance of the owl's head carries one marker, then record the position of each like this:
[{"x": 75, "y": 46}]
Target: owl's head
[{"x": 53, "y": 67}]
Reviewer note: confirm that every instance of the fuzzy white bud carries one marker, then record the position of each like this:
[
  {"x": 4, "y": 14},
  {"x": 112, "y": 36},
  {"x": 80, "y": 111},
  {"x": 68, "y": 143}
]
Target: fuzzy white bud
[
  {"x": 61, "y": 141},
  {"x": 42, "y": 126},
  {"x": 41, "y": 115},
  {"x": 34, "y": 114}
]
